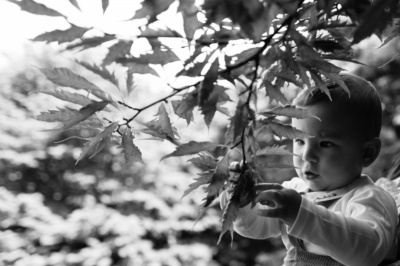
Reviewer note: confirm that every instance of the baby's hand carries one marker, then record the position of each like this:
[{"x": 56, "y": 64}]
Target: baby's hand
[{"x": 284, "y": 203}]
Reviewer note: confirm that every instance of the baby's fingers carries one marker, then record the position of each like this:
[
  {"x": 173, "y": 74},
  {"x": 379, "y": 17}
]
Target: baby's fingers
[
  {"x": 271, "y": 198},
  {"x": 273, "y": 212},
  {"x": 267, "y": 186}
]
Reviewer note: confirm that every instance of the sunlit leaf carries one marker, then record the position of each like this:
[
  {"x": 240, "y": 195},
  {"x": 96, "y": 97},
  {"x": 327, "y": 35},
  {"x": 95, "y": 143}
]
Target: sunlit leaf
[
  {"x": 68, "y": 96},
  {"x": 189, "y": 12},
  {"x": 158, "y": 30},
  {"x": 66, "y": 78},
  {"x": 95, "y": 145},
  {"x": 36, "y": 8},
  {"x": 207, "y": 85},
  {"x": 101, "y": 71},
  {"x": 131, "y": 152},
  {"x": 192, "y": 147},
  {"x": 156, "y": 56},
  {"x": 136, "y": 68},
  {"x": 61, "y": 36}
]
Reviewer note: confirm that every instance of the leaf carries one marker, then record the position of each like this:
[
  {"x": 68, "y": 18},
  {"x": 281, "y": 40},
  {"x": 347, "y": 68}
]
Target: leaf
[
  {"x": 195, "y": 64},
  {"x": 95, "y": 145},
  {"x": 91, "y": 42},
  {"x": 189, "y": 11},
  {"x": 68, "y": 96},
  {"x": 61, "y": 36},
  {"x": 60, "y": 115},
  {"x": 327, "y": 45},
  {"x": 274, "y": 93},
  {"x": 158, "y": 30},
  {"x": 104, "y": 5},
  {"x": 204, "y": 161},
  {"x": 289, "y": 111},
  {"x": 83, "y": 114},
  {"x": 131, "y": 152},
  {"x": 286, "y": 131},
  {"x": 161, "y": 56},
  {"x": 66, "y": 78},
  {"x": 161, "y": 127},
  {"x": 101, "y": 71},
  {"x": 274, "y": 150},
  {"x": 207, "y": 84},
  {"x": 36, "y": 8},
  {"x": 192, "y": 147},
  {"x": 337, "y": 79},
  {"x": 129, "y": 81},
  {"x": 136, "y": 68},
  {"x": 319, "y": 83},
  {"x": 203, "y": 179},
  {"x": 228, "y": 217},
  {"x": 184, "y": 108},
  {"x": 375, "y": 19},
  {"x": 152, "y": 8},
  {"x": 75, "y": 3},
  {"x": 118, "y": 50},
  {"x": 211, "y": 105},
  {"x": 217, "y": 181},
  {"x": 239, "y": 121}
]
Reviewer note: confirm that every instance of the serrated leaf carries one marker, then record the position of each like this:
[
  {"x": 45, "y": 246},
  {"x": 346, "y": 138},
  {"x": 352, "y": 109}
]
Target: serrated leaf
[
  {"x": 203, "y": 179},
  {"x": 61, "y": 36},
  {"x": 228, "y": 217},
  {"x": 66, "y": 78},
  {"x": 337, "y": 79},
  {"x": 274, "y": 93},
  {"x": 204, "y": 161},
  {"x": 60, "y": 115},
  {"x": 131, "y": 152},
  {"x": 192, "y": 147},
  {"x": 136, "y": 68},
  {"x": 36, "y": 8},
  {"x": 207, "y": 85},
  {"x": 101, "y": 71},
  {"x": 68, "y": 96},
  {"x": 217, "y": 181},
  {"x": 158, "y": 30},
  {"x": 184, "y": 108},
  {"x": 95, "y": 145},
  {"x": 274, "y": 150},
  {"x": 286, "y": 131},
  {"x": 319, "y": 83},
  {"x": 83, "y": 114},
  {"x": 212, "y": 104},
  {"x": 161, "y": 56},
  {"x": 161, "y": 127},
  {"x": 90, "y": 42},
  {"x": 189, "y": 11},
  {"x": 375, "y": 19},
  {"x": 118, "y": 50},
  {"x": 104, "y": 5},
  {"x": 195, "y": 64},
  {"x": 289, "y": 111}
]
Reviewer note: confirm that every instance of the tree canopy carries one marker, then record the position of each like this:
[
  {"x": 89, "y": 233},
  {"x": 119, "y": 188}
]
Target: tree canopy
[{"x": 254, "y": 55}]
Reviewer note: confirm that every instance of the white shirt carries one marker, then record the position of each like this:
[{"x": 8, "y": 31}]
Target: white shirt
[{"x": 355, "y": 225}]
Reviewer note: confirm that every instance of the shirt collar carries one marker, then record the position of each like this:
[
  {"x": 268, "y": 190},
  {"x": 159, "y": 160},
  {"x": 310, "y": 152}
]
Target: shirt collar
[{"x": 320, "y": 196}]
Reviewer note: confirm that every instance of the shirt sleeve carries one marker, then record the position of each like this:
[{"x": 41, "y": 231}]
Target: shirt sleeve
[{"x": 362, "y": 234}]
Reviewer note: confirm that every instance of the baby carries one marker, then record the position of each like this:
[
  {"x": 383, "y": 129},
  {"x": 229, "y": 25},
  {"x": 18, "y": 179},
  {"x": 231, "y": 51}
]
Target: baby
[{"x": 331, "y": 214}]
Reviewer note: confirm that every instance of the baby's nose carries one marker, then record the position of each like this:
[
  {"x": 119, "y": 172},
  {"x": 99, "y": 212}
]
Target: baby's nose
[{"x": 309, "y": 154}]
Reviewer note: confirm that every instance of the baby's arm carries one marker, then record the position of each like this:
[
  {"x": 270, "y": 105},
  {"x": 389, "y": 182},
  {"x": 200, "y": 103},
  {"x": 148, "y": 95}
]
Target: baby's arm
[
  {"x": 362, "y": 235},
  {"x": 249, "y": 224}
]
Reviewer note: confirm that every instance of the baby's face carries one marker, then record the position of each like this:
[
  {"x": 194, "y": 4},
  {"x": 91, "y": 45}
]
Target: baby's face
[{"x": 332, "y": 158}]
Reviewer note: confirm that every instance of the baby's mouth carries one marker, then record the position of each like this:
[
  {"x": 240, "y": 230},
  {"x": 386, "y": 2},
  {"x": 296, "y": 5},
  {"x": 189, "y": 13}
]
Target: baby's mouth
[{"x": 310, "y": 175}]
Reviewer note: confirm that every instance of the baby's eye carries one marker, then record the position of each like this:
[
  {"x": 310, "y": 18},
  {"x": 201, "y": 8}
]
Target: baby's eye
[
  {"x": 299, "y": 142},
  {"x": 326, "y": 144}
]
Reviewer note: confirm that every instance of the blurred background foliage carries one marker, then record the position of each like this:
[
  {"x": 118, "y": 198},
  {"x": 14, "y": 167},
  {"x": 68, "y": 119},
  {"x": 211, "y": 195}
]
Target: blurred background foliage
[{"x": 99, "y": 212}]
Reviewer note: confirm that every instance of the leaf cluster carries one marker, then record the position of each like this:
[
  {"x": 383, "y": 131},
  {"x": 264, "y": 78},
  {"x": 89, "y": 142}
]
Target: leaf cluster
[{"x": 257, "y": 51}]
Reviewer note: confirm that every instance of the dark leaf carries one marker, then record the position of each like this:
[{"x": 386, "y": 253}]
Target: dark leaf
[
  {"x": 203, "y": 179},
  {"x": 286, "y": 131},
  {"x": 119, "y": 50},
  {"x": 204, "y": 161},
  {"x": 69, "y": 97},
  {"x": 152, "y": 8},
  {"x": 207, "y": 84},
  {"x": 211, "y": 105},
  {"x": 61, "y": 36},
  {"x": 192, "y": 147},
  {"x": 36, "y": 8},
  {"x": 289, "y": 111},
  {"x": 101, "y": 71},
  {"x": 75, "y": 4},
  {"x": 217, "y": 181},
  {"x": 104, "y": 5},
  {"x": 90, "y": 42},
  {"x": 184, "y": 108},
  {"x": 274, "y": 93}
]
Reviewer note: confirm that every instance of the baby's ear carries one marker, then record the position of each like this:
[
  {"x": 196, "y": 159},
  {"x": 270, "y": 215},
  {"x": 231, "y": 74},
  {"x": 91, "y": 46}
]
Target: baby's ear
[{"x": 371, "y": 151}]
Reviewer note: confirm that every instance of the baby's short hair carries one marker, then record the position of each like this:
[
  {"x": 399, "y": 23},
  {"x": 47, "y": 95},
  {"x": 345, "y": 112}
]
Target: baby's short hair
[{"x": 363, "y": 101}]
